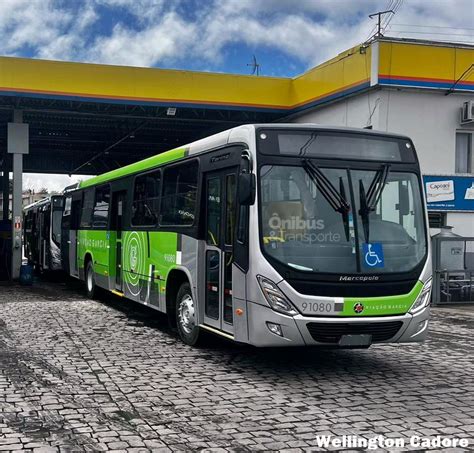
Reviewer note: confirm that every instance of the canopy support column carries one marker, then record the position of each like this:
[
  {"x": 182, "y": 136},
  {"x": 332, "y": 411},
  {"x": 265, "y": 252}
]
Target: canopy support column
[
  {"x": 18, "y": 144},
  {"x": 5, "y": 190}
]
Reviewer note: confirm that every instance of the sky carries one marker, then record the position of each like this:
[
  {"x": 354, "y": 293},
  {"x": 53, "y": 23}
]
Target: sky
[{"x": 287, "y": 37}]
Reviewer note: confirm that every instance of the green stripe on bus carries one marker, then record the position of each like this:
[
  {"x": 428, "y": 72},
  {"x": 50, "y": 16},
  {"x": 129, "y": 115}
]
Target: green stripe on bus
[
  {"x": 142, "y": 166},
  {"x": 382, "y": 306}
]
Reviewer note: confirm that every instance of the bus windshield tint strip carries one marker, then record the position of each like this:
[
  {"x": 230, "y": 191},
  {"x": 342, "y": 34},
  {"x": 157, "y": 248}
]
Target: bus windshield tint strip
[{"x": 335, "y": 145}]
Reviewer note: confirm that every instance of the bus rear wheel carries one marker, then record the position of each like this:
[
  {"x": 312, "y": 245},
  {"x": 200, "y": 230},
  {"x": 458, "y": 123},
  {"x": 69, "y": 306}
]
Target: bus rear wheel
[
  {"x": 186, "y": 316},
  {"x": 90, "y": 281}
]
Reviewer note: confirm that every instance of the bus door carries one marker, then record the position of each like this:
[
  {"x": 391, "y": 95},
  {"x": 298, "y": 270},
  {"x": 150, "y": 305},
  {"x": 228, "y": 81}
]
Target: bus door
[
  {"x": 118, "y": 212},
  {"x": 220, "y": 199},
  {"x": 34, "y": 236},
  {"x": 74, "y": 235},
  {"x": 66, "y": 234},
  {"x": 45, "y": 224}
]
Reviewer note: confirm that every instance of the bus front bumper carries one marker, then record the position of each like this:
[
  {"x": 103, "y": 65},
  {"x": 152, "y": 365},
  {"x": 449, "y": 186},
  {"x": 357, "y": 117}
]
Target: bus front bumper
[{"x": 328, "y": 331}]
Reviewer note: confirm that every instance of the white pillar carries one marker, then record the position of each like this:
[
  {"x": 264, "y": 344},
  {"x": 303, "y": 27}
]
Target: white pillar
[
  {"x": 6, "y": 189},
  {"x": 18, "y": 144}
]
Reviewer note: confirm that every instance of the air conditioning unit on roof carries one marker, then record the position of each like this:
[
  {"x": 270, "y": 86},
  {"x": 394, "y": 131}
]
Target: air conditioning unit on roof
[{"x": 467, "y": 112}]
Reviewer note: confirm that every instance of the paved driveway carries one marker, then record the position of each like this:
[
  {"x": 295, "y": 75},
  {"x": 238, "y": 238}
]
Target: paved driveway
[{"x": 82, "y": 375}]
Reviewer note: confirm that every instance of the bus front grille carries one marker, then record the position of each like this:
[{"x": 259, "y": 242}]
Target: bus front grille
[{"x": 332, "y": 332}]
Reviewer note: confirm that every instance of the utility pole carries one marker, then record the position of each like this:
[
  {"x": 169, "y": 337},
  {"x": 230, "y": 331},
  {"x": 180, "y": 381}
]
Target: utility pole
[{"x": 379, "y": 21}]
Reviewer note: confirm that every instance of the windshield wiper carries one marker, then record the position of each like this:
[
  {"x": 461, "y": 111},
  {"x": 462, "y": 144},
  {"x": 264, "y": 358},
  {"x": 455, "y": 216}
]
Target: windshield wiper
[
  {"x": 369, "y": 200},
  {"x": 336, "y": 199}
]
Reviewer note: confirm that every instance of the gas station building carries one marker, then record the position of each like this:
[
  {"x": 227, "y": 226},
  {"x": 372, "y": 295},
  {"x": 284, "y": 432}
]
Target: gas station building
[{"x": 76, "y": 118}]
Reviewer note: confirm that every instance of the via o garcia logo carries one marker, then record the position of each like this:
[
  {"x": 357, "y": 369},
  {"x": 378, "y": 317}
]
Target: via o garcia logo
[
  {"x": 133, "y": 257},
  {"x": 359, "y": 307},
  {"x": 134, "y": 260}
]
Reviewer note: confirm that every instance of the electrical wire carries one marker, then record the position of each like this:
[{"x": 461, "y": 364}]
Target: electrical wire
[
  {"x": 432, "y": 26},
  {"x": 446, "y": 40},
  {"x": 430, "y": 33},
  {"x": 395, "y": 10},
  {"x": 434, "y": 33}
]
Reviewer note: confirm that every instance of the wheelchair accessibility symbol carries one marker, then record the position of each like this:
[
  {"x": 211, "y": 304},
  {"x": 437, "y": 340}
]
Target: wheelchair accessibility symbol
[{"x": 373, "y": 255}]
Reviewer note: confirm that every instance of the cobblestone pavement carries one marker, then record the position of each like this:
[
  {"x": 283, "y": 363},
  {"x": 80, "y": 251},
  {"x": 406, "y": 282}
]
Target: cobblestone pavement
[{"x": 82, "y": 375}]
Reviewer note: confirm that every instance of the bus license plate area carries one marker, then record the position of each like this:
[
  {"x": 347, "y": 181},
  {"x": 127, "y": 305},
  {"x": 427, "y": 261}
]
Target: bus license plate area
[
  {"x": 320, "y": 308},
  {"x": 355, "y": 341}
]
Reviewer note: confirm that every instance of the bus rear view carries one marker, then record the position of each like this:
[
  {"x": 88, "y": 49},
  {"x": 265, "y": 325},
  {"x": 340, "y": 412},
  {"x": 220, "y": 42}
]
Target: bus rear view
[{"x": 339, "y": 244}]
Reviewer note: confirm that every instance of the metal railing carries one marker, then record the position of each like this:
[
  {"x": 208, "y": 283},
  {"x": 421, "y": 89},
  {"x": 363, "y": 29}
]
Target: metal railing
[{"x": 453, "y": 270}]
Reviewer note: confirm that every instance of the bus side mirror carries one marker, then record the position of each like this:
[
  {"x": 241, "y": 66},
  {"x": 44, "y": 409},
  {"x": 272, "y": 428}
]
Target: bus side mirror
[{"x": 246, "y": 189}]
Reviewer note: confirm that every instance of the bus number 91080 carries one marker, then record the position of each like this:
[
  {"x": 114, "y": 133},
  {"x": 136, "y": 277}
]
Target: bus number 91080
[{"x": 317, "y": 307}]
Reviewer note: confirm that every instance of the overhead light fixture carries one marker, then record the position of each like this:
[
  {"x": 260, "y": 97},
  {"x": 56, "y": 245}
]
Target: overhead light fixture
[{"x": 171, "y": 111}]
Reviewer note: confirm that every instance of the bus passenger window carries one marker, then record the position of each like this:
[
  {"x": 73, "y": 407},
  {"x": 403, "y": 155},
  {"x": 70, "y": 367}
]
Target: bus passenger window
[
  {"x": 101, "y": 207},
  {"x": 146, "y": 198},
  {"x": 179, "y": 194},
  {"x": 87, "y": 207}
]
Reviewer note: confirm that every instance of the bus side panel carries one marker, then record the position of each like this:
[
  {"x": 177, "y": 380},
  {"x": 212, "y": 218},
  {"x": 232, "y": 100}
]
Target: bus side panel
[
  {"x": 163, "y": 255},
  {"x": 73, "y": 253},
  {"x": 148, "y": 258},
  {"x": 188, "y": 253},
  {"x": 66, "y": 246},
  {"x": 112, "y": 249},
  {"x": 135, "y": 260},
  {"x": 96, "y": 244}
]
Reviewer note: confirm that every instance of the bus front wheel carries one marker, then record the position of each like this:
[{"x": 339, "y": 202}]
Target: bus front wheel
[
  {"x": 90, "y": 281},
  {"x": 186, "y": 316}
]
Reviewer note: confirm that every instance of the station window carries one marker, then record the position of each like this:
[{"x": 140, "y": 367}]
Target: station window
[
  {"x": 100, "y": 215},
  {"x": 464, "y": 159},
  {"x": 146, "y": 199},
  {"x": 87, "y": 208},
  {"x": 179, "y": 194}
]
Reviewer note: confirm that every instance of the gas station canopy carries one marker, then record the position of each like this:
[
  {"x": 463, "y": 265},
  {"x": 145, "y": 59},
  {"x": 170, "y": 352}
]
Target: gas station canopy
[{"x": 90, "y": 118}]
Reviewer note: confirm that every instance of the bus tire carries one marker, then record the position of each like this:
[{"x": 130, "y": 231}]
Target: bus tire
[
  {"x": 91, "y": 288},
  {"x": 188, "y": 330}
]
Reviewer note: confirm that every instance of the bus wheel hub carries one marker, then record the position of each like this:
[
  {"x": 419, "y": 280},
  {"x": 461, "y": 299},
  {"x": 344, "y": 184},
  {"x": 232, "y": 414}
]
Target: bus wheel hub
[{"x": 186, "y": 314}]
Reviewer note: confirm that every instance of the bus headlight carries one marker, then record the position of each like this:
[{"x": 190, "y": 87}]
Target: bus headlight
[
  {"x": 275, "y": 298},
  {"x": 423, "y": 299}
]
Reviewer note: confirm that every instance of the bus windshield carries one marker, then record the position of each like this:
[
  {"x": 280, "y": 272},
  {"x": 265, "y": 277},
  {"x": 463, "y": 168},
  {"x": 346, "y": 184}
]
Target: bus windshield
[{"x": 304, "y": 230}]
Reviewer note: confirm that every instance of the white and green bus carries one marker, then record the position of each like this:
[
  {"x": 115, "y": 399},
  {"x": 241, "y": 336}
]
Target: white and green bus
[
  {"x": 272, "y": 235},
  {"x": 42, "y": 233}
]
